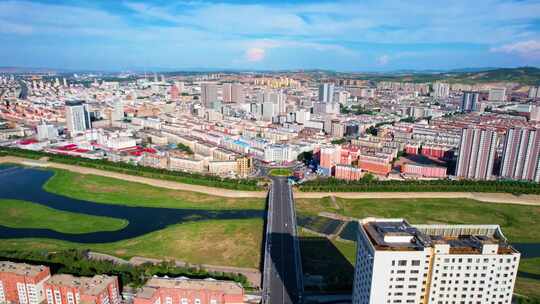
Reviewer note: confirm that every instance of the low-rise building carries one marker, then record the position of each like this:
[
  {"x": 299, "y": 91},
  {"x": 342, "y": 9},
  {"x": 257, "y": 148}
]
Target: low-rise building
[{"x": 189, "y": 291}]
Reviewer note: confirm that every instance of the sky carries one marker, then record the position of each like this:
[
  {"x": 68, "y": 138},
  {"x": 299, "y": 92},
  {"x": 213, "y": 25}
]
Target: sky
[{"x": 357, "y": 35}]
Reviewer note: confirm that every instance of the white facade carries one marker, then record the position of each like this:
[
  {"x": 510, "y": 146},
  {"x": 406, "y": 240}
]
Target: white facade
[
  {"x": 77, "y": 118},
  {"x": 497, "y": 94},
  {"x": 441, "y": 90},
  {"x": 432, "y": 264},
  {"x": 326, "y": 92},
  {"x": 46, "y": 132}
]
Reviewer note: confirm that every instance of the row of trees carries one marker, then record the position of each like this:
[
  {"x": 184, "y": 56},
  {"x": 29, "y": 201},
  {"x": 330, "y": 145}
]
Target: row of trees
[
  {"x": 368, "y": 184},
  {"x": 131, "y": 169},
  {"x": 77, "y": 263}
]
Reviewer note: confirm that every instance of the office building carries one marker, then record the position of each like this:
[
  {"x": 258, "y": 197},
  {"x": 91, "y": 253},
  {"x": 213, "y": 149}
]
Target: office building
[
  {"x": 326, "y": 92},
  {"x": 77, "y": 118},
  {"x": 476, "y": 153},
  {"x": 68, "y": 289},
  {"x": 441, "y": 90},
  {"x": 189, "y": 291},
  {"x": 208, "y": 94},
  {"x": 469, "y": 103},
  {"x": 521, "y": 154},
  {"x": 433, "y": 264},
  {"x": 497, "y": 94},
  {"x": 22, "y": 283}
]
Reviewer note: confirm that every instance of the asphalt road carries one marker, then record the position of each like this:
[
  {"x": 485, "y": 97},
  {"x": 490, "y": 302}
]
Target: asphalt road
[{"x": 283, "y": 284}]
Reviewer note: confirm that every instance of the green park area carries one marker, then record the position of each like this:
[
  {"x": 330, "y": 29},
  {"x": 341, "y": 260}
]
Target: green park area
[
  {"x": 280, "y": 172},
  {"x": 21, "y": 214},
  {"x": 228, "y": 242},
  {"x": 517, "y": 222}
]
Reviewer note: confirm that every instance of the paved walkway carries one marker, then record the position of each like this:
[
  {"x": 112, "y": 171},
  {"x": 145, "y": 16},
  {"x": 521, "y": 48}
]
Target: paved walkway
[{"x": 503, "y": 198}]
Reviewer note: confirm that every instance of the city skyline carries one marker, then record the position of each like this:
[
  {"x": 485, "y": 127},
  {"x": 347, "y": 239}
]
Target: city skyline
[{"x": 269, "y": 35}]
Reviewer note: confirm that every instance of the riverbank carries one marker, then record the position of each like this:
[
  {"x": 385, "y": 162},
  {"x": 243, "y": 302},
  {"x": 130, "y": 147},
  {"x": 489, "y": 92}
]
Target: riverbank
[
  {"x": 505, "y": 198},
  {"x": 139, "y": 179},
  {"x": 163, "y": 224}
]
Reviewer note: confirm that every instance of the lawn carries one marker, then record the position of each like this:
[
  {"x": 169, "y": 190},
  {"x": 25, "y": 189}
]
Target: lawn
[
  {"x": 21, "y": 214},
  {"x": 515, "y": 220},
  {"x": 221, "y": 242},
  {"x": 518, "y": 222},
  {"x": 280, "y": 172},
  {"x": 218, "y": 242},
  {"x": 114, "y": 191}
]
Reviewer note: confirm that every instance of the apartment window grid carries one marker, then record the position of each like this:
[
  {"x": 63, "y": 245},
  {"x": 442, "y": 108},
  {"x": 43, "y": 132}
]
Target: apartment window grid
[
  {"x": 405, "y": 285},
  {"x": 32, "y": 294},
  {"x": 21, "y": 290},
  {"x": 70, "y": 298},
  {"x": 2, "y": 294},
  {"x": 49, "y": 296},
  {"x": 57, "y": 297},
  {"x": 473, "y": 279}
]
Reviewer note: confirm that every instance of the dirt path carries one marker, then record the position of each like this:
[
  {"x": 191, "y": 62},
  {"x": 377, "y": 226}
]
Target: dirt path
[{"x": 503, "y": 198}]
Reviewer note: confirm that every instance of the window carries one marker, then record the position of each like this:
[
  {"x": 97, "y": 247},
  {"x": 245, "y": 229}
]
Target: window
[
  {"x": 416, "y": 262},
  {"x": 402, "y": 263}
]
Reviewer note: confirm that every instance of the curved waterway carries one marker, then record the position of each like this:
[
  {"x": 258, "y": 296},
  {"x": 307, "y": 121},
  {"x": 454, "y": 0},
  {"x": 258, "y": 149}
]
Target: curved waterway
[{"x": 26, "y": 184}]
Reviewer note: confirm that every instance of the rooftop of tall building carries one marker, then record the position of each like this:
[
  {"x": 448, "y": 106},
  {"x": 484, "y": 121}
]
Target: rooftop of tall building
[{"x": 21, "y": 268}]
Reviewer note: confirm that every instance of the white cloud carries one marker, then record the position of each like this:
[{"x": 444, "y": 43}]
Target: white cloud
[
  {"x": 529, "y": 48},
  {"x": 255, "y": 54},
  {"x": 383, "y": 60}
]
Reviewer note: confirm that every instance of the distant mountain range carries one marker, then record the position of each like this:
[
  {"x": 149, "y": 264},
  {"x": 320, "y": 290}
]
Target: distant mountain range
[{"x": 522, "y": 75}]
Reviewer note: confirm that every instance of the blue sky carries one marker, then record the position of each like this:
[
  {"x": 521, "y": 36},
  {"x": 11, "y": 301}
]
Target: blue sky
[{"x": 353, "y": 35}]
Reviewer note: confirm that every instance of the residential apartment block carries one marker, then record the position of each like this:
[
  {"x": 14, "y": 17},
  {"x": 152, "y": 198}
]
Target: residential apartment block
[
  {"x": 68, "y": 289},
  {"x": 22, "y": 283},
  {"x": 476, "y": 153},
  {"x": 433, "y": 264},
  {"x": 521, "y": 154},
  {"x": 189, "y": 291}
]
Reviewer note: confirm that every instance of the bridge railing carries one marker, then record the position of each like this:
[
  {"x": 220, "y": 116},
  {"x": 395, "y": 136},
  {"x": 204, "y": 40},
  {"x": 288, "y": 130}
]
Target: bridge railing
[
  {"x": 267, "y": 257},
  {"x": 297, "y": 256}
]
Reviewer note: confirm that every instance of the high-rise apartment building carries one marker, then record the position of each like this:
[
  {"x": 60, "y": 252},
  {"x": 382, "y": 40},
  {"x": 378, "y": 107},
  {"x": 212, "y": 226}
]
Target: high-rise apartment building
[
  {"x": 237, "y": 93},
  {"x": 432, "y": 264},
  {"x": 497, "y": 94},
  {"x": 77, "y": 117},
  {"x": 227, "y": 92},
  {"x": 68, "y": 289},
  {"x": 22, "y": 283},
  {"x": 326, "y": 92},
  {"x": 521, "y": 154},
  {"x": 208, "y": 94},
  {"x": 534, "y": 92},
  {"x": 476, "y": 153},
  {"x": 469, "y": 103},
  {"x": 441, "y": 90},
  {"x": 117, "y": 113}
]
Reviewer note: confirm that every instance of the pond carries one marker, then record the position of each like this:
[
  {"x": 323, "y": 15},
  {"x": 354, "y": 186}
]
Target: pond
[{"x": 21, "y": 183}]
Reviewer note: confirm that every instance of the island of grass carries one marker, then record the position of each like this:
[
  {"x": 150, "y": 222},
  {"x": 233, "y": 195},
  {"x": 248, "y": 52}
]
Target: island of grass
[
  {"x": 231, "y": 242},
  {"x": 515, "y": 221},
  {"x": 280, "y": 172},
  {"x": 21, "y": 214}
]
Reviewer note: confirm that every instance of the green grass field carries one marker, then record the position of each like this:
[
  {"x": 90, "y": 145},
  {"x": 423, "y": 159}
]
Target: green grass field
[
  {"x": 280, "y": 172},
  {"x": 518, "y": 222},
  {"x": 21, "y": 214},
  {"x": 119, "y": 192},
  {"x": 218, "y": 242}
]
